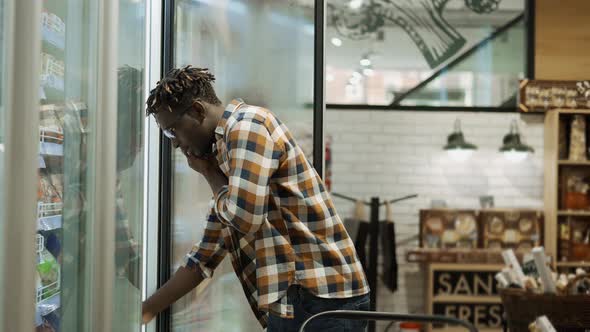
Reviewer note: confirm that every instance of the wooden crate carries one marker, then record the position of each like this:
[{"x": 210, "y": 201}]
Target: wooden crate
[{"x": 449, "y": 228}]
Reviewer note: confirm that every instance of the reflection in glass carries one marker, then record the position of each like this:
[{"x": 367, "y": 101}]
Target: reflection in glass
[
  {"x": 129, "y": 207},
  {"x": 262, "y": 52},
  {"x": 427, "y": 53}
]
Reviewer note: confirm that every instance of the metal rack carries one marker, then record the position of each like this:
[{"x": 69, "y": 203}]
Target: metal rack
[
  {"x": 387, "y": 316},
  {"x": 47, "y": 297}
]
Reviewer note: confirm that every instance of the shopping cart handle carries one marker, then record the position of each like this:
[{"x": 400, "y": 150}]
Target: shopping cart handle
[{"x": 375, "y": 315}]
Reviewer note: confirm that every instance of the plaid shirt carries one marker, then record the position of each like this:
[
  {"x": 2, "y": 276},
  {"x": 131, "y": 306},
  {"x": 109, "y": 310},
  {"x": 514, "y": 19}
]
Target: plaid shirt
[{"x": 281, "y": 215}]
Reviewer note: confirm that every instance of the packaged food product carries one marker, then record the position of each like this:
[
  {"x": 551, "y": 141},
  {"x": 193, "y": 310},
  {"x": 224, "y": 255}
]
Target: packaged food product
[
  {"x": 48, "y": 270},
  {"x": 448, "y": 228},
  {"x": 518, "y": 229},
  {"x": 47, "y": 191}
]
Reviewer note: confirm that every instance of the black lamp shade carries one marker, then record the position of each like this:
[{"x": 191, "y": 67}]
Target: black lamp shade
[
  {"x": 512, "y": 142},
  {"x": 456, "y": 141}
]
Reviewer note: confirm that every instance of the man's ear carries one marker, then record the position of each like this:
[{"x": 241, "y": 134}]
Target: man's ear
[{"x": 197, "y": 111}]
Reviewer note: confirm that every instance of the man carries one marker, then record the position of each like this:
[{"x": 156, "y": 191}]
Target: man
[{"x": 270, "y": 210}]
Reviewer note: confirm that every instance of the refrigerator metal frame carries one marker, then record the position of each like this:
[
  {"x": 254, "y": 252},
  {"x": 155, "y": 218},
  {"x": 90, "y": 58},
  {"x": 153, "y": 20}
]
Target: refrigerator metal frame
[
  {"x": 105, "y": 190},
  {"x": 151, "y": 161},
  {"x": 166, "y": 166},
  {"x": 23, "y": 63},
  {"x": 163, "y": 321}
]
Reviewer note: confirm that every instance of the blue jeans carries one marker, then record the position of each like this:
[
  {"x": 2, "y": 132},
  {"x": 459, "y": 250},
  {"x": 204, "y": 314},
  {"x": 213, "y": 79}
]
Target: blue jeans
[{"x": 306, "y": 305}]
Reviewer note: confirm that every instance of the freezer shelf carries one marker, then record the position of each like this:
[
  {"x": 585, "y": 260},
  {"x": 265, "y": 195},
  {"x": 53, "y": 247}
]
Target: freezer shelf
[
  {"x": 40, "y": 243},
  {"x": 48, "y": 300},
  {"x": 49, "y": 223},
  {"x": 47, "y": 306},
  {"x": 51, "y": 142},
  {"x": 49, "y": 216},
  {"x": 53, "y": 38},
  {"x": 53, "y": 82},
  {"x": 51, "y": 149},
  {"x": 53, "y": 30}
]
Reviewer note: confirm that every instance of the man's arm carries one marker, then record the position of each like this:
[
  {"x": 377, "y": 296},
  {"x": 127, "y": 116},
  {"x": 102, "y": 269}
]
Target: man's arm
[
  {"x": 182, "y": 282},
  {"x": 253, "y": 159},
  {"x": 199, "y": 265}
]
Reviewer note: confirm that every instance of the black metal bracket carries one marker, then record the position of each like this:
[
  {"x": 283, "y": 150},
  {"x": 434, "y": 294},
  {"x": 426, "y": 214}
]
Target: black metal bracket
[
  {"x": 395, "y": 200},
  {"x": 318, "y": 87},
  {"x": 529, "y": 19}
]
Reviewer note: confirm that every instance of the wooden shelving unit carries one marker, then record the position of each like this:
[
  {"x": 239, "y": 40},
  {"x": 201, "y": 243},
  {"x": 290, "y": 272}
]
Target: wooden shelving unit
[
  {"x": 573, "y": 163},
  {"x": 573, "y": 264},
  {"x": 557, "y": 165},
  {"x": 465, "y": 299},
  {"x": 573, "y": 213},
  {"x": 574, "y": 111}
]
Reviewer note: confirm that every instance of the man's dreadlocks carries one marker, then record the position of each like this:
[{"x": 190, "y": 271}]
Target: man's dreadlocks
[{"x": 179, "y": 87}]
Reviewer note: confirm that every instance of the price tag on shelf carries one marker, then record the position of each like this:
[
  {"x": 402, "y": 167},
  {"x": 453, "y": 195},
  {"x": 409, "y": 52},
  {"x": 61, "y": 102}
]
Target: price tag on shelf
[
  {"x": 42, "y": 93},
  {"x": 38, "y": 319}
]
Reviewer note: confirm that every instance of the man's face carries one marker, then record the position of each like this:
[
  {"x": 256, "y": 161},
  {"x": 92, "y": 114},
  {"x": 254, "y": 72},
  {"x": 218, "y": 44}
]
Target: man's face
[{"x": 192, "y": 128}]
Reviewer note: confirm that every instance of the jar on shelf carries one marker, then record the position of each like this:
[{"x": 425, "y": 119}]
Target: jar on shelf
[{"x": 578, "y": 138}]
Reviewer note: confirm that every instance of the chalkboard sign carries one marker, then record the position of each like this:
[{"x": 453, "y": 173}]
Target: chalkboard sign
[
  {"x": 465, "y": 283},
  {"x": 479, "y": 314},
  {"x": 465, "y": 291}
]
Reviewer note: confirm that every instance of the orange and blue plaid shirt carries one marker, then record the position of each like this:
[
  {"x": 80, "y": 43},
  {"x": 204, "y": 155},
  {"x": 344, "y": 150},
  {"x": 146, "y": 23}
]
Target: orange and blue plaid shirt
[{"x": 276, "y": 219}]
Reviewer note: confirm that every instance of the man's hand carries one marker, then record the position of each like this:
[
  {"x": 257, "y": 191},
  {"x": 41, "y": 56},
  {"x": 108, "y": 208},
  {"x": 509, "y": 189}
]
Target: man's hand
[
  {"x": 146, "y": 314},
  {"x": 209, "y": 169},
  {"x": 182, "y": 282}
]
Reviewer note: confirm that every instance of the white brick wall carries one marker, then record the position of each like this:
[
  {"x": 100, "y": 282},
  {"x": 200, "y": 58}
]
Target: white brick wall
[{"x": 393, "y": 154}]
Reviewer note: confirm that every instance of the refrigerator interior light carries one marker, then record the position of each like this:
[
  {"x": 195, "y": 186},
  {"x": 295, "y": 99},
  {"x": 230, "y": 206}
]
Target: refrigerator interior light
[
  {"x": 355, "y": 4},
  {"x": 336, "y": 41},
  {"x": 368, "y": 72}
]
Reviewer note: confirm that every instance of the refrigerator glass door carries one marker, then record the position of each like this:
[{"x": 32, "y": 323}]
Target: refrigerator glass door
[
  {"x": 68, "y": 93},
  {"x": 130, "y": 164},
  {"x": 262, "y": 52},
  {"x": 67, "y": 252}
]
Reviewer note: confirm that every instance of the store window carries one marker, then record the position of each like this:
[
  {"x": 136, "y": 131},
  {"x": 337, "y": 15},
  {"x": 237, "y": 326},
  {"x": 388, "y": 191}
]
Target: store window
[{"x": 432, "y": 53}]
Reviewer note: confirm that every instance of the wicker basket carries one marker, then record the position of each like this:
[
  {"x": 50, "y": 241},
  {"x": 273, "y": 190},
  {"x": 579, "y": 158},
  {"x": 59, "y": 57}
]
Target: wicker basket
[{"x": 567, "y": 313}]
